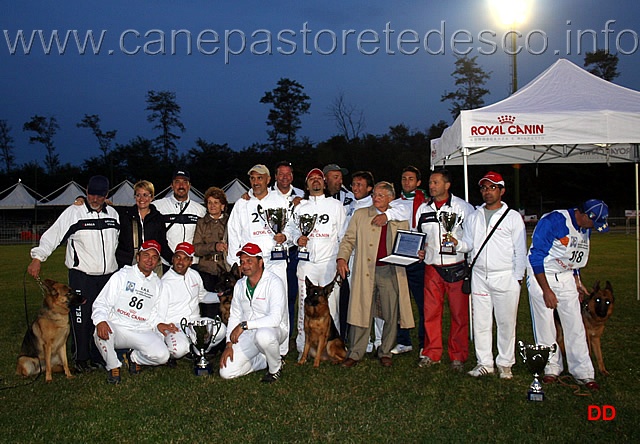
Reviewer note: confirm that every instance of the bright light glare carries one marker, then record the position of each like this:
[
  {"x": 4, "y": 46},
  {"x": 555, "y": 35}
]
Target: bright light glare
[{"x": 511, "y": 12}]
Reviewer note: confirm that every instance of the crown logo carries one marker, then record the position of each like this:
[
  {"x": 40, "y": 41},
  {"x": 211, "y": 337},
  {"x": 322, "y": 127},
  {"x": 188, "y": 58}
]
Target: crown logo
[{"x": 506, "y": 119}]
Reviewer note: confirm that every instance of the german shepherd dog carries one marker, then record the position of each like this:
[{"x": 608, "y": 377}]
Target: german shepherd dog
[
  {"x": 596, "y": 308},
  {"x": 223, "y": 285},
  {"x": 322, "y": 340},
  {"x": 45, "y": 342}
]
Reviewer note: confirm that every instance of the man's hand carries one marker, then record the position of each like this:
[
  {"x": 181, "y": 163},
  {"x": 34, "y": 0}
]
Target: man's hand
[
  {"x": 280, "y": 238},
  {"x": 227, "y": 353},
  {"x": 421, "y": 255},
  {"x": 302, "y": 241},
  {"x": 165, "y": 329},
  {"x": 103, "y": 330},
  {"x": 550, "y": 299},
  {"x": 235, "y": 334},
  {"x": 343, "y": 268},
  {"x": 379, "y": 220},
  {"x": 245, "y": 196},
  {"x": 34, "y": 268},
  {"x": 296, "y": 200}
]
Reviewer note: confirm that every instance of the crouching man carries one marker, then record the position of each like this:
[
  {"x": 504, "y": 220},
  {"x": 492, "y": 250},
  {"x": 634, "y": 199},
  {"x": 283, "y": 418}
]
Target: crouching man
[
  {"x": 258, "y": 328},
  {"x": 183, "y": 290},
  {"x": 125, "y": 315}
]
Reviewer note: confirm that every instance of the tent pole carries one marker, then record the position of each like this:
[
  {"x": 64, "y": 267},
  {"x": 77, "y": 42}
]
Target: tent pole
[
  {"x": 637, "y": 237},
  {"x": 465, "y": 164}
]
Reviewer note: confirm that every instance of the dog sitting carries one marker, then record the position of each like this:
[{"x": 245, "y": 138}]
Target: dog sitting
[
  {"x": 223, "y": 285},
  {"x": 322, "y": 340},
  {"x": 45, "y": 342},
  {"x": 596, "y": 308}
]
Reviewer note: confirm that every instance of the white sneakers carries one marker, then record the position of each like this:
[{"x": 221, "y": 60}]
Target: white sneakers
[
  {"x": 505, "y": 372},
  {"x": 481, "y": 370},
  {"x": 399, "y": 349}
]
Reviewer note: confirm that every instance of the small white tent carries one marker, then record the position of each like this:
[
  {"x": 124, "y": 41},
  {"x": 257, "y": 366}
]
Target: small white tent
[
  {"x": 123, "y": 194},
  {"x": 565, "y": 115},
  {"x": 18, "y": 196},
  {"x": 234, "y": 190},
  {"x": 63, "y": 198}
]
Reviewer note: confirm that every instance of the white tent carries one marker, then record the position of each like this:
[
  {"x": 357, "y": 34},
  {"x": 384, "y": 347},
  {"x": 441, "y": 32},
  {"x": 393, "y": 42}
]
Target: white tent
[
  {"x": 65, "y": 197},
  {"x": 234, "y": 190},
  {"x": 123, "y": 196},
  {"x": 565, "y": 115},
  {"x": 19, "y": 197}
]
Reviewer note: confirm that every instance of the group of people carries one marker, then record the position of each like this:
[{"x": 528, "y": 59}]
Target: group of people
[{"x": 116, "y": 259}]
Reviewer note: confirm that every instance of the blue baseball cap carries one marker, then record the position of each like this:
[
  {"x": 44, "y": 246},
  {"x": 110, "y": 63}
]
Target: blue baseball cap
[{"x": 598, "y": 212}]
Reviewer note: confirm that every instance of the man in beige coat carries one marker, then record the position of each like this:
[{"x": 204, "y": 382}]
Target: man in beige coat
[{"x": 378, "y": 289}]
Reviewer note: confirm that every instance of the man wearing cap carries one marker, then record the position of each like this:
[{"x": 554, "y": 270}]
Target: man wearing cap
[
  {"x": 125, "y": 314},
  {"x": 559, "y": 249},
  {"x": 321, "y": 244},
  {"x": 496, "y": 277},
  {"x": 91, "y": 232},
  {"x": 334, "y": 176},
  {"x": 258, "y": 328},
  {"x": 184, "y": 291},
  {"x": 247, "y": 226},
  {"x": 180, "y": 213}
]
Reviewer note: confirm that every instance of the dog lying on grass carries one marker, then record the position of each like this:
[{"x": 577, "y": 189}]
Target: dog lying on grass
[
  {"x": 322, "y": 340},
  {"x": 45, "y": 343}
]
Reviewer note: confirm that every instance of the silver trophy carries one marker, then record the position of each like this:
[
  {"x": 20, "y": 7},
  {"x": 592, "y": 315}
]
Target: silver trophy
[
  {"x": 535, "y": 358},
  {"x": 449, "y": 221},
  {"x": 276, "y": 219},
  {"x": 306, "y": 223},
  {"x": 202, "y": 334}
]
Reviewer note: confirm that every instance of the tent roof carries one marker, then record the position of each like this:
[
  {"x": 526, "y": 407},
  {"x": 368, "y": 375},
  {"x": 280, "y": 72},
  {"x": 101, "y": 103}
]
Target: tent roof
[
  {"x": 20, "y": 197},
  {"x": 65, "y": 197},
  {"x": 123, "y": 196},
  {"x": 234, "y": 190},
  {"x": 564, "y": 112}
]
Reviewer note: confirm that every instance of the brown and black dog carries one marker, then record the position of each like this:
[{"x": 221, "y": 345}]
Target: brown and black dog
[
  {"x": 596, "y": 308},
  {"x": 322, "y": 340},
  {"x": 223, "y": 285},
  {"x": 45, "y": 343}
]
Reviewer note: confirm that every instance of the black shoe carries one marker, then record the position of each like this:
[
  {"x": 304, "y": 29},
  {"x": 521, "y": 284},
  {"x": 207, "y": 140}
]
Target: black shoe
[
  {"x": 85, "y": 366},
  {"x": 271, "y": 377},
  {"x": 113, "y": 376},
  {"x": 134, "y": 368},
  {"x": 172, "y": 363}
]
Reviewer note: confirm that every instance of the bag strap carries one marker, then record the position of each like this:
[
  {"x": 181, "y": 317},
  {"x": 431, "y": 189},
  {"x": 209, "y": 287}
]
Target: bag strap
[
  {"x": 486, "y": 239},
  {"x": 181, "y": 211}
]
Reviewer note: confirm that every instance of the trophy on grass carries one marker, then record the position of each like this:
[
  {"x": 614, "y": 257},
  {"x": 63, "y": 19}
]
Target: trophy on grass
[
  {"x": 276, "y": 219},
  {"x": 536, "y": 357},
  {"x": 202, "y": 334},
  {"x": 306, "y": 223},
  {"x": 449, "y": 221}
]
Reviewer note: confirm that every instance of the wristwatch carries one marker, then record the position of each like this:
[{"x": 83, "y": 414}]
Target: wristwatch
[{"x": 243, "y": 324}]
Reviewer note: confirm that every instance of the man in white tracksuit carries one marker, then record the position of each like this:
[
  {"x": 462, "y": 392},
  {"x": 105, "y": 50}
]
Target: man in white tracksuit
[
  {"x": 322, "y": 244},
  {"x": 246, "y": 226},
  {"x": 258, "y": 328},
  {"x": 125, "y": 315},
  {"x": 496, "y": 277},
  {"x": 559, "y": 249},
  {"x": 184, "y": 290}
]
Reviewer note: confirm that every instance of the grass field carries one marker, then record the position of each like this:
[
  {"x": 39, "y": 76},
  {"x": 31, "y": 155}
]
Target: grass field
[{"x": 367, "y": 403}]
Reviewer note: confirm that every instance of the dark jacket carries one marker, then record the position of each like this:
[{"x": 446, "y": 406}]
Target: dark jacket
[{"x": 154, "y": 228}]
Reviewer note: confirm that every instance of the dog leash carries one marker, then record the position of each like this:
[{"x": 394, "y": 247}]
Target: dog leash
[{"x": 569, "y": 381}]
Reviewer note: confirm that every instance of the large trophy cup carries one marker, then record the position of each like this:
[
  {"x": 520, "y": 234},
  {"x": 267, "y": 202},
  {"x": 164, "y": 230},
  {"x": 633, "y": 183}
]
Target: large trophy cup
[
  {"x": 449, "y": 221},
  {"x": 202, "y": 334},
  {"x": 306, "y": 223},
  {"x": 276, "y": 219},
  {"x": 536, "y": 357}
]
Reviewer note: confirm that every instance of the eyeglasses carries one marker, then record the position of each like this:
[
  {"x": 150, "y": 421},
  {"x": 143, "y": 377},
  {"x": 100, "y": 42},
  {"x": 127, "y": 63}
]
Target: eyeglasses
[
  {"x": 491, "y": 187},
  {"x": 142, "y": 195}
]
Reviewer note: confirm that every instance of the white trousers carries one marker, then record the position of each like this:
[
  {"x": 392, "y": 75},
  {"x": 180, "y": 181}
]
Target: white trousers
[
  {"x": 255, "y": 350},
  {"x": 319, "y": 274},
  {"x": 148, "y": 347},
  {"x": 544, "y": 329},
  {"x": 496, "y": 296},
  {"x": 178, "y": 343}
]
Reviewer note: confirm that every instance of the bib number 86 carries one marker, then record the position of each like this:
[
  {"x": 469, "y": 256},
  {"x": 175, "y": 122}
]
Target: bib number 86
[{"x": 136, "y": 303}]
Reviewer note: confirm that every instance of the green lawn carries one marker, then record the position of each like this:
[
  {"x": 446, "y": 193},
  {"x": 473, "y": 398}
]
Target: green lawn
[{"x": 367, "y": 403}]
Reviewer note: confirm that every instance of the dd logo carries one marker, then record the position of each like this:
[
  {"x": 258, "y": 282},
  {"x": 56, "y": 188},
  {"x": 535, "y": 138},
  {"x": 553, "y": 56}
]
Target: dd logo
[{"x": 604, "y": 413}]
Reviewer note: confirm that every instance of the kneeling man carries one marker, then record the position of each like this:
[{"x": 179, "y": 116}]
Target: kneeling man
[
  {"x": 125, "y": 314},
  {"x": 258, "y": 328},
  {"x": 183, "y": 289}
]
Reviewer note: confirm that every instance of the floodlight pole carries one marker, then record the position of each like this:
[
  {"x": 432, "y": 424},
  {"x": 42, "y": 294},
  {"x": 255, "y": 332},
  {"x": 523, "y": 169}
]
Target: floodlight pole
[{"x": 514, "y": 88}]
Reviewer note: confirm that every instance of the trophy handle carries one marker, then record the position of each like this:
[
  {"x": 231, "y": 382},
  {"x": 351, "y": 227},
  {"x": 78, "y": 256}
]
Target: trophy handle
[
  {"x": 183, "y": 325},
  {"x": 522, "y": 348}
]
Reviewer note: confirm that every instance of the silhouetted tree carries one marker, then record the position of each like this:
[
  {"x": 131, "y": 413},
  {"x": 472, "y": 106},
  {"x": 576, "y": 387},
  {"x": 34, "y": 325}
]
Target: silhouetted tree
[
  {"x": 45, "y": 129},
  {"x": 289, "y": 103},
  {"x": 470, "y": 79},
  {"x": 165, "y": 112},
  {"x": 602, "y": 64},
  {"x": 104, "y": 138},
  {"x": 6, "y": 146},
  {"x": 348, "y": 119}
]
